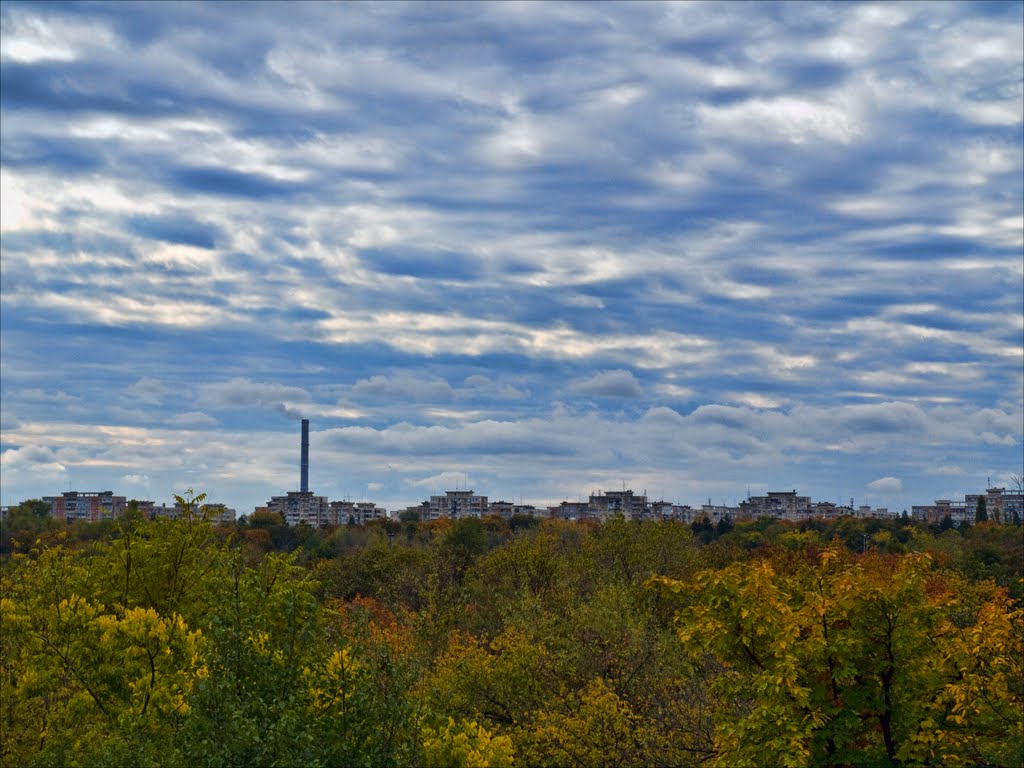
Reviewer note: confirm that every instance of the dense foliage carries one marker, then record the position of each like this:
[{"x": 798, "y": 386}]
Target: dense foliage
[{"x": 497, "y": 643}]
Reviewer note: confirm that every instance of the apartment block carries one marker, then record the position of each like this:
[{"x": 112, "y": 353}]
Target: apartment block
[
  {"x": 717, "y": 512},
  {"x": 782, "y": 505},
  {"x": 610, "y": 503},
  {"x": 934, "y": 513},
  {"x": 456, "y": 504},
  {"x": 301, "y": 507},
  {"x": 86, "y": 505},
  {"x": 507, "y": 509},
  {"x": 1000, "y": 506},
  {"x": 354, "y": 512}
]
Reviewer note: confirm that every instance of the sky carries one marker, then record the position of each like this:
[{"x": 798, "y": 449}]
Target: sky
[{"x": 533, "y": 249}]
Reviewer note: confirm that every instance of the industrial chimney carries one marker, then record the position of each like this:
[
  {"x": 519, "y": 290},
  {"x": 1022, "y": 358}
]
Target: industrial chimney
[{"x": 304, "y": 462}]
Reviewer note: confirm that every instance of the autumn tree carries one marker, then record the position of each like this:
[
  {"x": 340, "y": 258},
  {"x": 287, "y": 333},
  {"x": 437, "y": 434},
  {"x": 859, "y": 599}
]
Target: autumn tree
[{"x": 833, "y": 659}]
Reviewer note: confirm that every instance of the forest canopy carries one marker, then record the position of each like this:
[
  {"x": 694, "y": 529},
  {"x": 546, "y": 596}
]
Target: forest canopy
[{"x": 490, "y": 642}]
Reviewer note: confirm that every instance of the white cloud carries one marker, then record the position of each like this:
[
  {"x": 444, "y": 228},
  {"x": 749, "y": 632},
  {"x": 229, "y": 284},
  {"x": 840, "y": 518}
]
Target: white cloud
[
  {"x": 31, "y": 466},
  {"x": 243, "y": 393},
  {"x": 616, "y": 383},
  {"x": 443, "y": 481},
  {"x": 886, "y": 484},
  {"x": 29, "y": 38},
  {"x": 788, "y": 236},
  {"x": 405, "y": 385},
  {"x": 789, "y": 119}
]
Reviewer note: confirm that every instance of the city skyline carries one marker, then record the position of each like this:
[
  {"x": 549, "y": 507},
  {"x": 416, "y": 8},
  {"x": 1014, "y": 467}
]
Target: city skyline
[
  {"x": 691, "y": 249},
  {"x": 303, "y": 491}
]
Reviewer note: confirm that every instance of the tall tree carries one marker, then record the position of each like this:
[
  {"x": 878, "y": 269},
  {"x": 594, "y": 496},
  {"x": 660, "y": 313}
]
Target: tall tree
[{"x": 837, "y": 659}]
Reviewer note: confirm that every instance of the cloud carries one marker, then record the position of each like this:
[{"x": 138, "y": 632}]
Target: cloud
[
  {"x": 443, "y": 481},
  {"x": 617, "y": 383},
  {"x": 31, "y": 465},
  {"x": 791, "y": 234},
  {"x": 193, "y": 419},
  {"x": 405, "y": 385},
  {"x": 40, "y": 395},
  {"x": 243, "y": 393},
  {"x": 886, "y": 485},
  {"x": 148, "y": 390}
]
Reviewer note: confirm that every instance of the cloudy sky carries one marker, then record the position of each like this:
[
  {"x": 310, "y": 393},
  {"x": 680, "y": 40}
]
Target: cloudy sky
[{"x": 537, "y": 248}]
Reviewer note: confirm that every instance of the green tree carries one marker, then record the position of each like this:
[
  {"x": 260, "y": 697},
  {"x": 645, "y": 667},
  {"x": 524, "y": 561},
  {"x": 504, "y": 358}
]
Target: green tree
[
  {"x": 836, "y": 659},
  {"x": 981, "y": 511},
  {"x": 24, "y": 523},
  {"x": 86, "y": 681}
]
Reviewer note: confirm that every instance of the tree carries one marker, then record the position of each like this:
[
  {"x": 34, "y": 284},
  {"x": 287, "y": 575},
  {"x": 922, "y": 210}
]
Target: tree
[
  {"x": 834, "y": 659},
  {"x": 465, "y": 745},
  {"x": 86, "y": 679},
  {"x": 36, "y": 508},
  {"x": 24, "y": 523},
  {"x": 981, "y": 512}
]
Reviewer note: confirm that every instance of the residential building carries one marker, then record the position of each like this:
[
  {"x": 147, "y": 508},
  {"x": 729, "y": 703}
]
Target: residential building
[
  {"x": 784, "y": 505},
  {"x": 717, "y": 512},
  {"x": 999, "y": 505},
  {"x": 664, "y": 511},
  {"x": 611, "y": 503},
  {"x": 301, "y": 507},
  {"x": 456, "y": 504},
  {"x": 934, "y": 513},
  {"x": 507, "y": 509},
  {"x": 215, "y": 513},
  {"x": 355, "y": 512},
  {"x": 86, "y": 505},
  {"x": 571, "y": 510}
]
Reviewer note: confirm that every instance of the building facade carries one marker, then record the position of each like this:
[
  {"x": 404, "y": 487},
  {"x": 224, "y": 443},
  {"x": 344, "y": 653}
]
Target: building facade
[
  {"x": 355, "y": 512},
  {"x": 86, "y": 505},
  {"x": 781, "y": 505},
  {"x": 298, "y": 507},
  {"x": 456, "y": 504}
]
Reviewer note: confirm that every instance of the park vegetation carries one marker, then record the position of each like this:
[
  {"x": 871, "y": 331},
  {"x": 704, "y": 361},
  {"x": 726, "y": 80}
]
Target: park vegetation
[{"x": 490, "y": 642}]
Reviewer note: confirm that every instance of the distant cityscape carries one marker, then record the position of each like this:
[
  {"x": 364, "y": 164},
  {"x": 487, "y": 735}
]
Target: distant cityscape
[{"x": 304, "y": 507}]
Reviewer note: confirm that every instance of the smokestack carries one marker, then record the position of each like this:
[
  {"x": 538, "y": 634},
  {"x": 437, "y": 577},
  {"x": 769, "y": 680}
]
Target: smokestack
[{"x": 304, "y": 462}]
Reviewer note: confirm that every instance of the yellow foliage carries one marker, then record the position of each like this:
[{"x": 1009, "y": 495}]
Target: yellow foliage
[
  {"x": 465, "y": 745},
  {"x": 334, "y": 681}
]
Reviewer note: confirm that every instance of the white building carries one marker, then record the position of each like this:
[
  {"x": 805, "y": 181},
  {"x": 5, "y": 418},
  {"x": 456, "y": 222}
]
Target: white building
[
  {"x": 355, "y": 512},
  {"x": 456, "y": 504},
  {"x": 301, "y": 507}
]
